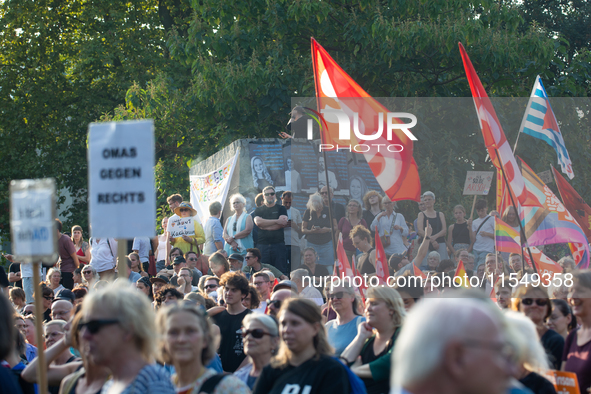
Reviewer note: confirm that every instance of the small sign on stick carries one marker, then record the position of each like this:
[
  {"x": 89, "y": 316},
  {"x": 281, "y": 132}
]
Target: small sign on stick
[
  {"x": 478, "y": 183},
  {"x": 32, "y": 220}
]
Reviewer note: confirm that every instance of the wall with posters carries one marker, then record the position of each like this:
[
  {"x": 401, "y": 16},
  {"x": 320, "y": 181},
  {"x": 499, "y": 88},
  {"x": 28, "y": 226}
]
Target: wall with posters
[{"x": 294, "y": 165}]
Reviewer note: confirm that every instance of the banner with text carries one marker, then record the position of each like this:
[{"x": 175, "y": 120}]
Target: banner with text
[{"x": 211, "y": 187}]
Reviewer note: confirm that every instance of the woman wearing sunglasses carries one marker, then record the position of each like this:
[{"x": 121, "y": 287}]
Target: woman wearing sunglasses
[
  {"x": 238, "y": 228},
  {"x": 188, "y": 243},
  {"x": 342, "y": 330},
  {"x": 534, "y": 303},
  {"x": 118, "y": 329},
  {"x": 47, "y": 300},
  {"x": 303, "y": 363},
  {"x": 369, "y": 354},
  {"x": 260, "y": 335},
  {"x": 188, "y": 343},
  {"x": 89, "y": 276}
]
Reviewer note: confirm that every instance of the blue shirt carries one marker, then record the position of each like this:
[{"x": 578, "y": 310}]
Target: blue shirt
[
  {"x": 341, "y": 336},
  {"x": 213, "y": 233}
]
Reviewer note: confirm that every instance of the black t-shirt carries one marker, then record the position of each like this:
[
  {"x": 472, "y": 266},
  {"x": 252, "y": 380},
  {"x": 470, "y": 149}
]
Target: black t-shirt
[
  {"x": 553, "y": 343},
  {"x": 367, "y": 356},
  {"x": 231, "y": 349},
  {"x": 538, "y": 384},
  {"x": 14, "y": 268},
  {"x": 266, "y": 237},
  {"x": 323, "y": 376},
  {"x": 3, "y": 278},
  {"x": 323, "y": 221}
]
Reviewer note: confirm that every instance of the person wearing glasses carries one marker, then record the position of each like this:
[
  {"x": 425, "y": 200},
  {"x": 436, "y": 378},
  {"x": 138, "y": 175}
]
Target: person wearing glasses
[
  {"x": 118, "y": 326},
  {"x": 53, "y": 279},
  {"x": 189, "y": 344},
  {"x": 277, "y": 299},
  {"x": 271, "y": 219},
  {"x": 260, "y": 335},
  {"x": 208, "y": 283},
  {"x": 47, "y": 300},
  {"x": 61, "y": 310},
  {"x": 89, "y": 276},
  {"x": 342, "y": 330},
  {"x": 303, "y": 362},
  {"x": 262, "y": 283},
  {"x": 253, "y": 264},
  {"x": 467, "y": 345},
  {"x": 184, "y": 281},
  {"x": 369, "y": 354},
  {"x": 534, "y": 303},
  {"x": 187, "y": 242},
  {"x": 198, "y": 264}
]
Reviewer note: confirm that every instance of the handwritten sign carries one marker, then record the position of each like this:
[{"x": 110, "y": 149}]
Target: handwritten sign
[
  {"x": 546, "y": 176},
  {"x": 181, "y": 226},
  {"x": 212, "y": 187},
  {"x": 121, "y": 196},
  {"x": 478, "y": 183},
  {"x": 564, "y": 382},
  {"x": 32, "y": 220}
]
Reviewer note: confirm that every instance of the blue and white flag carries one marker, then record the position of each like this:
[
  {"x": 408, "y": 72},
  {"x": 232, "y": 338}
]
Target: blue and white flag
[{"x": 539, "y": 122}]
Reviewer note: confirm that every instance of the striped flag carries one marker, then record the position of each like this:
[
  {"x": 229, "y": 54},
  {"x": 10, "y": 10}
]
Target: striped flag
[
  {"x": 552, "y": 223},
  {"x": 342, "y": 101},
  {"x": 506, "y": 238},
  {"x": 494, "y": 138},
  {"x": 461, "y": 277},
  {"x": 578, "y": 251},
  {"x": 539, "y": 122}
]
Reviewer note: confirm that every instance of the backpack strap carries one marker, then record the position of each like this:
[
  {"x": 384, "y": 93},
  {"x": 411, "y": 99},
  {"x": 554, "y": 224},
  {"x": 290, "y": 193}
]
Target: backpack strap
[{"x": 210, "y": 384}]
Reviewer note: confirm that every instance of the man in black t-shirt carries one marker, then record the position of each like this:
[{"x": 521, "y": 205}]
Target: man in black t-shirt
[
  {"x": 271, "y": 219},
  {"x": 231, "y": 348},
  {"x": 338, "y": 210}
]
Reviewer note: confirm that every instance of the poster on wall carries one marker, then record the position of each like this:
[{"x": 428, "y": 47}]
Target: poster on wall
[
  {"x": 208, "y": 188},
  {"x": 361, "y": 179},
  {"x": 267, "y": 166},
  {"x": 338, "y": 174},
  {"x": 304, "y": 175}
]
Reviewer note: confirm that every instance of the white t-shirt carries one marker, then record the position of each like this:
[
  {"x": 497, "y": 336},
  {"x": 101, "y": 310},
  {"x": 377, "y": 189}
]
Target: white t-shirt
[
  {"x": 291, "y": 236},
  {"x": 482, "y": 243},
  {"x": 103, "y": 257},
  {"x": 312, "y": 294}
]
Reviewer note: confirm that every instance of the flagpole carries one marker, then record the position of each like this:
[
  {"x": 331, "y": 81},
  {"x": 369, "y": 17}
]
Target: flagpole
[
  {"x": 332, "y": 232},
  {"x": 517, "y": 212}
]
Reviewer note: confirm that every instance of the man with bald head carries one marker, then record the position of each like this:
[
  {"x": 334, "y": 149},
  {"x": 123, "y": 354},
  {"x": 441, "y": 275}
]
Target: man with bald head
[
  {"x": 61, "y": 310},
  {"x": 452, "y": 345},
  {"x": 277, "y": 299}
]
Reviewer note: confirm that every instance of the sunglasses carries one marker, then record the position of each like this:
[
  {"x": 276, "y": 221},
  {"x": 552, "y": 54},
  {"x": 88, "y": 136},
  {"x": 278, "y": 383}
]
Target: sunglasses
[
  {"x": 192, "y": 259},
  {"x": 184, "y": 210},
  {"x": 95, "y": 326},
  {"x": 538, "y": 301},
  {"x": 87, "y": 272},
  {"x": 338, "y": 295},
  {"x": 270, "y": 194},
  {"x": 211, "y": 286},
  {"x": 48, "y": 297},
  {"x": 274, "y": 303},
  {"x": 324, "y": 193},
  {"x": 248, "y": 257},
  {"x": 257, "y": 333}
]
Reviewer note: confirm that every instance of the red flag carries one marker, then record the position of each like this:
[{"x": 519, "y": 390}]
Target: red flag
[
  {"x": 417, "y": 272},
  {"x": 363, "y": 288},
  {"x": 545, "y": 266},
  {"x": 578, "y": 251},
  {"x": 382, "y": 271},
  {"x": 342, "y": 260},
  {"x": 503, "y": 199},
  {"x": 494, "y": 137},
  {"x": 460, "y": 276},
  {"x": 574, "y": 203},
  {"x": 342, "y": 102}
]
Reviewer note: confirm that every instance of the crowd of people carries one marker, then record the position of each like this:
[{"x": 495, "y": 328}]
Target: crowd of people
[{"x": 233, "y": 307}]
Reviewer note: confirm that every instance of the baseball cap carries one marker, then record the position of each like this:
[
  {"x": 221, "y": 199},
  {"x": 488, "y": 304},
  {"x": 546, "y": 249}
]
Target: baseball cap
[
  {"x": 179, "y": 260},
  {"x": 160, "y": 278},
  {"x": 236, "y": 256},
  {"x": 66, "y": 295}
]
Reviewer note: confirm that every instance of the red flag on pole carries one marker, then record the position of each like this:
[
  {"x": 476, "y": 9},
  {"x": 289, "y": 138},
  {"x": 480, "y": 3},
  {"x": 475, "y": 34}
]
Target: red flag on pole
[
  {"x": 494, "y": 137},
  {"x": 355, "y": 119},
  {"x": 343, "y": 261},
  {"x": 546, "y": 267},
  {"x": 574, "y": 203},
  {"x": 382, "y": 271},
  {"x": 417, "y": 272},
  {"x": 363, "y": 288}
]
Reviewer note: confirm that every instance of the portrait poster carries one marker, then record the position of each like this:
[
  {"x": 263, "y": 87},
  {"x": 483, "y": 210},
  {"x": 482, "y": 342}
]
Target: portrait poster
[{"x": 267, "y": 166}]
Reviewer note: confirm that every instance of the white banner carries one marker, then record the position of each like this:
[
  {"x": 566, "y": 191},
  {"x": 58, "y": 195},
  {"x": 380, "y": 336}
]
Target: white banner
[{"x": 211, "y": 187}]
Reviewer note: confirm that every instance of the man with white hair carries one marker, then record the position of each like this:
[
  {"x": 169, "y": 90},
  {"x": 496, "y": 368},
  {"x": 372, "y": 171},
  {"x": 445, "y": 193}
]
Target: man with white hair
[
  {"x": 452, "y": 345},
  {"x": 309, "y": 292}
]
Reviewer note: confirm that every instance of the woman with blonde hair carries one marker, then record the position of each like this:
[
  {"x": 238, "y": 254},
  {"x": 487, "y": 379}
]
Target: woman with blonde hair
[
  {"x": 370, "y": 352},
  {"x": 304, "y": 358},
  {"x": 318, "y": 230},
  {"x": 342, "y": 330},
  {"x": 82, "y": 247},
  {"x": 534, "y": 303},
  {"x": 89, "y": 276},
  {"x": 53, "y": 278},
  {"x": 530, "y": 357},
  {"x": 260, "y": 175},
  {"x": 118, "y": 328},
  {"x": 188, "y": 342},
  {"x": 238, "y": 228}
]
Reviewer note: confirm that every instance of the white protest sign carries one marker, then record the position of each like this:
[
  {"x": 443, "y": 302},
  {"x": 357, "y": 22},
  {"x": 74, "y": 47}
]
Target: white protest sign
[
  {"x": 181, "y": 226},
  {"x": 208, "y": 188},
  {"x": 32, "y": 220},
  {"x": 478, "y": 183},
  {"x": 121, "y": 190}
]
